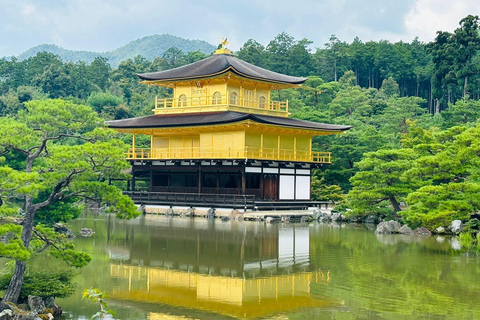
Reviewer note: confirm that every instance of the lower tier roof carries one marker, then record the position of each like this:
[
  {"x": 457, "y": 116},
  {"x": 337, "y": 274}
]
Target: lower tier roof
[{"x": 215, "y": 118}]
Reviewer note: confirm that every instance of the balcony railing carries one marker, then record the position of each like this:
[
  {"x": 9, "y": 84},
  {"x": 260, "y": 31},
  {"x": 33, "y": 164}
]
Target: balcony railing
[
  {"x": 205, "y": 103},
  {"x": 228, "y": 153}
]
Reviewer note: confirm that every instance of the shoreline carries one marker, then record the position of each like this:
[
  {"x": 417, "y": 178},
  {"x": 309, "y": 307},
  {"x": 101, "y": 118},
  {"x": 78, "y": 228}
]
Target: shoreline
[{"x": 227, "y": 213}]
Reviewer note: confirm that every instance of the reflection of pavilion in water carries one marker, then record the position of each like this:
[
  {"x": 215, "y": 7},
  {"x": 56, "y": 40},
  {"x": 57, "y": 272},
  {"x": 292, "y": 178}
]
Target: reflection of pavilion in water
[{"x": 238, "y": 269}]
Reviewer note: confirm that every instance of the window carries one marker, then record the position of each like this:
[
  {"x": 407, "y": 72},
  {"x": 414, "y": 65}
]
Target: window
[
  {"x": 261, "y": 102},
  {"x": 233, "y": 98},
  {"x": 217, "y": 98},
  {"x": 182, "y": 100}
]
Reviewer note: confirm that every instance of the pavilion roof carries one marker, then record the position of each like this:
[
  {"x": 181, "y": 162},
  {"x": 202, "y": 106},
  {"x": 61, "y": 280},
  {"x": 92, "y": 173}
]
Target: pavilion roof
[
  {"x": 215, "y": 118},
  {"x": 218, "y": 64}
]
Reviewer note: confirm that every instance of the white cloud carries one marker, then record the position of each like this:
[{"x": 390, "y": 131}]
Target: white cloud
[{"x": 427, "y": 17}]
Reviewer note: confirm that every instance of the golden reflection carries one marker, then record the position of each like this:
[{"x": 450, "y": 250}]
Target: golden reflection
[
  {"x": 231, "y": 296},
  {"x": 163, "y": 316}
]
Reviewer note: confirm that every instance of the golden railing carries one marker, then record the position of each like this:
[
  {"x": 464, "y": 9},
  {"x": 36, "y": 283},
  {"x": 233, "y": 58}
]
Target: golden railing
[
  {"x": 206, "y": 103},
  {"x": 228, "y": 153}
]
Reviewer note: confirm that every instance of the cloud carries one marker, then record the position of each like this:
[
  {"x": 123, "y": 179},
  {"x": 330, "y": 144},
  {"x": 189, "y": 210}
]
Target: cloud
[{"x": 426, "y": 17}]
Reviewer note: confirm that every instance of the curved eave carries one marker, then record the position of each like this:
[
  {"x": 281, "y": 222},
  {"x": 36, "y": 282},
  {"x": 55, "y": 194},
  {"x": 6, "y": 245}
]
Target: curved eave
[
  {"x": 226, "y": 70},
  {"x": 223, "y": 119}
]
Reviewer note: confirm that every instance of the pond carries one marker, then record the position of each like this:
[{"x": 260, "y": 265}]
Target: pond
[{"x": 157, "y": 267}]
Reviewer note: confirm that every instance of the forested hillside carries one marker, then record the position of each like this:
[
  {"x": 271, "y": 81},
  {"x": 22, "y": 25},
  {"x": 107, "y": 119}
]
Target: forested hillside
[
  {"x": 148, "y": 47},
  {"x": 414, "y": 107}
]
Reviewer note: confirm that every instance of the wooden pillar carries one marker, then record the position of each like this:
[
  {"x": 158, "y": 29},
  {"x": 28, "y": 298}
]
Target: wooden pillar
[
  {"x": 261, "y": 146},
  {"x": 243, "y": 181},
  {"x": 278, "y": 149},
  {"x": 199, "y": 188},
  {"x": 133, "y": 146},
  {"x": 133, "y": 179},
  {"x": 262, "y": 193},
  {"x": 151, "y": 179},
  {"x": 295, "y": 148}
]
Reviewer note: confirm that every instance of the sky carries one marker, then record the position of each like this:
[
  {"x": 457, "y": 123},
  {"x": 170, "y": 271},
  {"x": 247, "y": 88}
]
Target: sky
[{"x": 102, "y": 25}]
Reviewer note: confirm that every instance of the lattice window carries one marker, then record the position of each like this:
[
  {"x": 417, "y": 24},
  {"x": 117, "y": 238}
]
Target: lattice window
[
  {"x": 233, "y": 98},
  {"x": 182, "y": 100},
  {"x": 261, "y": 102},
  {"x": 217, "y": 98}
]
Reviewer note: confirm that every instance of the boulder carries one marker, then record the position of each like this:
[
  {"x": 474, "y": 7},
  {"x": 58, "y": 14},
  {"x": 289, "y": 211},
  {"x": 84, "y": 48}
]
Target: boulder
[
  {"x": 36, "y": 304},
  {"x": 190, "y": 212},
  {"x": 422, "y": 231},
  {"x": 440, "y": 230},
  {"x": 211, "y": 213},
  {"x": 388, "y": 227},
  {"x": 61, "y": 228},
  {"x": 323, "y": 219},
  {"x": 337, "y": 216},
  {"x": 235, "y": 214},
  {"x": 405, "y": 230},
  {"x": 456, "y": 226},
  {"x": 52, "y": 307},
  {"x": 4, "y": 306},
  {"x": 318, "y": 214},
  {"x": 6, "y": 314},
  {"x": 271, "y": 220},
  {"x": 27, "y": 316},
  {"x": 86, "y": 232}
]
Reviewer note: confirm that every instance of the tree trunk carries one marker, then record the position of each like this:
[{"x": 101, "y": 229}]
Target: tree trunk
[
  {"x": 335, "y": 68},
  {"x": 13, "y": 291},
  {"x": 395, "y": 204},
  {"x": 16, "y": 282}
]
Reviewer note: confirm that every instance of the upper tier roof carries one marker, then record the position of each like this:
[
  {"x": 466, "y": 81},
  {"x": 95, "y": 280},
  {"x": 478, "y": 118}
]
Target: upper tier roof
[
  {"x": 213, "y": 118},
  {"x": 218, "y": 64}
]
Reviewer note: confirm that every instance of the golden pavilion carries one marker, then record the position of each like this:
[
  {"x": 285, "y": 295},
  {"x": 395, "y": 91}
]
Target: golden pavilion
[{"x": 222, "y": 139}]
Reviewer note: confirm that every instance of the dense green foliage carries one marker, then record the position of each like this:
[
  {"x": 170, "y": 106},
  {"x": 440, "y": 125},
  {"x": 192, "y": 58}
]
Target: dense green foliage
[
  {"x": 56, "y": 153},
  {"x": 44, "y": 284}
]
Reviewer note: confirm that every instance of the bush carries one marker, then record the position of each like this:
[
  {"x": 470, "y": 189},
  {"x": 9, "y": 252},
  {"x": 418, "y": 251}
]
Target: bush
[
  {"x": 43, "y": 284},
  {"x": 472, "y": 226}
]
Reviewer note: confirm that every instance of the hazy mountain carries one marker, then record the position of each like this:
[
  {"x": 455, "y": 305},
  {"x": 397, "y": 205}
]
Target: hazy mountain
[{"x": 148, "y": 47}]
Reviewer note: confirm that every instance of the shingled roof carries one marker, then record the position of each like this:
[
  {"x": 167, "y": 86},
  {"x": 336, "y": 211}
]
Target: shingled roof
[
  {"x": 212, "y": 118},
  {"x": 218, "y": 64}
]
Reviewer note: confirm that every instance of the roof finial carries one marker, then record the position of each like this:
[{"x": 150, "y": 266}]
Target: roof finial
[
  {"x": 224, "y": 43},
  {"x": 223, "y": 49}
]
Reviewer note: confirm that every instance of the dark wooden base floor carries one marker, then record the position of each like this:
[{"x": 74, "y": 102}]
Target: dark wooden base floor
[{"x": 234, "y": 201}]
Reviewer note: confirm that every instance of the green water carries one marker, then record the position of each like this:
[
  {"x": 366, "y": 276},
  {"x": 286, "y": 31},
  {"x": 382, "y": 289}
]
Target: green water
[{"x": 177, "y": 268}]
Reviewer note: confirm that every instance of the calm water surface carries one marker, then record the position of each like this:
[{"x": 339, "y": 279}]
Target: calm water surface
[{"x": 156, "y": 267}]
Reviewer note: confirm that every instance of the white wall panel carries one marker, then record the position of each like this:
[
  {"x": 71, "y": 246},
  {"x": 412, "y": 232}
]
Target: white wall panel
[
  {"x": 287, "y": 187},
  {"x": 302, "y": 191}
]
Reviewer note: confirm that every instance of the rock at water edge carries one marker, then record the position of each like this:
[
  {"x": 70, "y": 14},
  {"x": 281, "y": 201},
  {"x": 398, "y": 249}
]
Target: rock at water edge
[
  {"x": 456, "y": 226},
  {"x": 405, "y": 230},
  {"x": 422, "y": 231},
  {"x": 36, "y": 304},
  {"x": 388, "y": 227}
]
